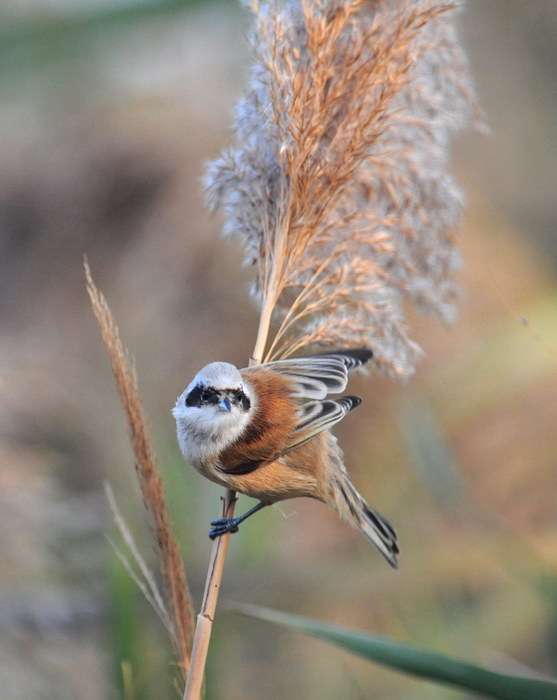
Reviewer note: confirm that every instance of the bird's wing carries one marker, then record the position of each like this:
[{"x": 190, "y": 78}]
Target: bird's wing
[
  {"x": 313, "y": 418},
  {"x": 316, "y": 416},
  {"x": 315, "y": 376}
]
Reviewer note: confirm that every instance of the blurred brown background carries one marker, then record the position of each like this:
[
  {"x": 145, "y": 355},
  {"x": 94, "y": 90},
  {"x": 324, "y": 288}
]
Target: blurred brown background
[{"x": 107, "y": 113}]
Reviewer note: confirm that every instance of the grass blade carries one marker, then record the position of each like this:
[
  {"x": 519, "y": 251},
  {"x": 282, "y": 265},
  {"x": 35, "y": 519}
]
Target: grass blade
[{"x": 411, "y": 659}]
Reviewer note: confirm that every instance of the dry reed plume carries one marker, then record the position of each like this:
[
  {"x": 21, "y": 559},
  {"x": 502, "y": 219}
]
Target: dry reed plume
[
  {"x": 337, "y": 182},
  {"x": 338, "y": 186},
  {"x": 177, "y": 614}
]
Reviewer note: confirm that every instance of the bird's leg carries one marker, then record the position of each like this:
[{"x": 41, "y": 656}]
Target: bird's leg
[{"x": 224, "y": 525}]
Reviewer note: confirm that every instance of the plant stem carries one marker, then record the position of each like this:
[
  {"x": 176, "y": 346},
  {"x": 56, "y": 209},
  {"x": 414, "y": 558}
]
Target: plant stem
[
  {"x": 204, "y": 626},
  {"x": 208, "y": 606},
  {"x": 263, "y": 330}
]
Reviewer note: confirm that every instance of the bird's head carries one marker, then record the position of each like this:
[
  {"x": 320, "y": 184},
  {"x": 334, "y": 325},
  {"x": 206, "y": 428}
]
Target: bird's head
[{"x": 216, "y": 406}]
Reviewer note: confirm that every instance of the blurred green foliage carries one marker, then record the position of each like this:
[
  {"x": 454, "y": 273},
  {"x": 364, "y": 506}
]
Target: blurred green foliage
[{"x": 419, "y": 662}]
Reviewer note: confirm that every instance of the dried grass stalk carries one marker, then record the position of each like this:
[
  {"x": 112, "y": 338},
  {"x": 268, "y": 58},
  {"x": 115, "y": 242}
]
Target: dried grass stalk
[
  {"x": 204, "y": 627},
  {"x": 144, "y": 578},
  {"x": 179, "y": 601},
  {"x": 337, "y": 182}
]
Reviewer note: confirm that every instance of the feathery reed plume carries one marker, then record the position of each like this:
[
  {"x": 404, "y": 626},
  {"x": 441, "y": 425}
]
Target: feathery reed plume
[
  {"x": 338, "y": 184},
  {"x": 179, "y": 603},
  {"x": 338, "y": 180}
]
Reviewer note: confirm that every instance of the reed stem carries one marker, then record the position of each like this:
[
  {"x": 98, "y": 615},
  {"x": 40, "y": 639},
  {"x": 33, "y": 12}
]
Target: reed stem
[
  {"x": 206, "y": 615},
  {"x": 204, "y": 626}
]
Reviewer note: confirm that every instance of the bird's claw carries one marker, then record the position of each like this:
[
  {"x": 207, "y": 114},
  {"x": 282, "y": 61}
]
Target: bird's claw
[{"x": 223, "y": 526}]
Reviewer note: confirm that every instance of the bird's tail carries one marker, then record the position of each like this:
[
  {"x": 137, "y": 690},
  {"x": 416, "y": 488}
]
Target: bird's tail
[{"x": 352, "y": 507}]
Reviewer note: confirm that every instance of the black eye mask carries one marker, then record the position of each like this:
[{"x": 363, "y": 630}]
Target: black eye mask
[
  {"x": 206, "y": 396},
  {"x": 239, "y": 398},
  {"x": 202, "y": 396}
]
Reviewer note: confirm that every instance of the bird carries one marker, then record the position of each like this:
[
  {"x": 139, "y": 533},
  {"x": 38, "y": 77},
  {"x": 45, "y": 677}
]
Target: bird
[{"x": 264, "y": 431}]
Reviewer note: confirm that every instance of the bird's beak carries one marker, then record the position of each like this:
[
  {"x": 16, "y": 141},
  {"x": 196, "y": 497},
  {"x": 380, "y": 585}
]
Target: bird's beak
[{"x": 225, "y": 405}]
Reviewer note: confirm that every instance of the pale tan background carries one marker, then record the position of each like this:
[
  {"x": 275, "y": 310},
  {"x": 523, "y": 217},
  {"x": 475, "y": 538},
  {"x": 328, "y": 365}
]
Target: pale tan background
[{"x": 106, "y": 117}]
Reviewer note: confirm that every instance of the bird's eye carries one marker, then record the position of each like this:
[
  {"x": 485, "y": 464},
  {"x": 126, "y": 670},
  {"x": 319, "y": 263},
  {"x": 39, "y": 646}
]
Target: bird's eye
[
  {"x": 240, "y": 399},
  {"x": 206, "y": 395}
]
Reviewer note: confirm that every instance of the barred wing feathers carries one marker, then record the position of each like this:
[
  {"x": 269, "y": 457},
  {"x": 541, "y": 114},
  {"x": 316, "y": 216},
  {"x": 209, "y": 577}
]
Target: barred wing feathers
[
  {"x": 316, "y": 376},
  {"x": 316, "y": 416}
]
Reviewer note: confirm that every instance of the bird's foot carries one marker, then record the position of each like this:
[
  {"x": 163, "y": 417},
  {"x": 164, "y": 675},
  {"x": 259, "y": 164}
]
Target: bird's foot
[{"x": 223, "y": 526}]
